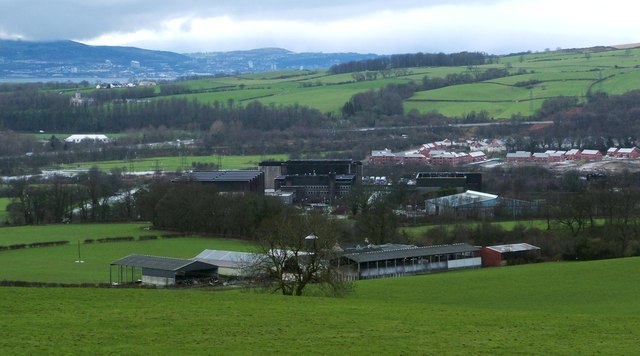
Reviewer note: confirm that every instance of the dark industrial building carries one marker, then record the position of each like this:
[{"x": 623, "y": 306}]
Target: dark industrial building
[
  {"x": 228, "y": 181},
  {"x": 312, "y": 180},
  {"x": 459, "y": 180},
  {"x": 315, "y": 188}
]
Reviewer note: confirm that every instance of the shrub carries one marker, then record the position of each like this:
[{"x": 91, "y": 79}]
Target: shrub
[
  {"x": 116, "y": 239},
  {"x": 147, "y": 237}
]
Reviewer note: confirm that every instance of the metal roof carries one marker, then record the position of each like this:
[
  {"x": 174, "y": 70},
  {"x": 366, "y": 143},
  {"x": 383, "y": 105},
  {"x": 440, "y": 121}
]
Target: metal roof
[
  {"x": 229, "y": 259},
  {"x": 409, "y": 252},
  {"x": 460, "y": 199},
  {"x": 219, "y": 176},
  {"x": 161, "y": 263},
  {"x": 513, "y": 247}
]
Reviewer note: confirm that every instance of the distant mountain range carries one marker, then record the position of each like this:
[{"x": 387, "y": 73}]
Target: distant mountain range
[{"x": 69, "y": 60}]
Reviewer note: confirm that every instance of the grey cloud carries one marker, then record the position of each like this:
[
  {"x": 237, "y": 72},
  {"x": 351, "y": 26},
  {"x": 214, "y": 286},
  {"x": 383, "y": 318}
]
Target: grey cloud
[{"x": 51, "y": 19}]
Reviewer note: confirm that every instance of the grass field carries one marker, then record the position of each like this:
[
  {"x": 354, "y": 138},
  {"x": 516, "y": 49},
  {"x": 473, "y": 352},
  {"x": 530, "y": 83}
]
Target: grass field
[
  {"x": 69, "y": 232},
  {"x": 566, "y": 73},
  {"x": 57, "y": 264},
  {"x": 416, "y": 231},
  {"x": 554, "y": 308},
  {"x": 174, "y": 163}
]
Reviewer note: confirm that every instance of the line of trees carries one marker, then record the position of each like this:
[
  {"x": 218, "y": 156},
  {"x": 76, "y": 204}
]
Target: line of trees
[
  {"x": 87, "y": 197},
  {"x": 412, "y": 60},
  {"x": 31, "y": 110}
]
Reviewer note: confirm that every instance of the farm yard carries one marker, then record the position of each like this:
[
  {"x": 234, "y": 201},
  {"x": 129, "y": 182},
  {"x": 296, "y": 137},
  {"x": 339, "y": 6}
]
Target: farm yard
[{"x": 551, "y": 308}]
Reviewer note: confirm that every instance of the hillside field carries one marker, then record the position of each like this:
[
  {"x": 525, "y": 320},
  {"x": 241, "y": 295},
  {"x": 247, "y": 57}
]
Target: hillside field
[
  {"x": 556, "y": 73},
  {"x": 552, "y": 308},
  {"x": 57, "y": 264}
]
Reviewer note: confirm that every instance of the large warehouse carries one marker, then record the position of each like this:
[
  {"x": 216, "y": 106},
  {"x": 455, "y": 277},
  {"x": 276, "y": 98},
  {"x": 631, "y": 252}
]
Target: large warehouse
[
  {"x": 312, "y": 180},
  {"x": 228, "y": 181}
]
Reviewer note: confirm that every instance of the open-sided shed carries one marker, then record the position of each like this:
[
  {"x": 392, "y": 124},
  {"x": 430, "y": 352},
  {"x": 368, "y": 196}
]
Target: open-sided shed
[
  {"x": 230, "y": 263},
  {"x": 160, "y": 271},
  {"x": 396, "y": 260}
]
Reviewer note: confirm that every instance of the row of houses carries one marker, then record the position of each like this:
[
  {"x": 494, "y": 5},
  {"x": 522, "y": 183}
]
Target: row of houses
[
  {"x": 359, "y": 262},
  {"x": 427, "y": 155},
  {"x": 551, "y": 156}
]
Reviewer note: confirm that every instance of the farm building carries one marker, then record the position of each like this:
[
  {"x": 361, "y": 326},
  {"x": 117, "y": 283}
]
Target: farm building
[
  {"x": 230, "y": 263},
  {"x": 87, "y": 138},
  {"x": 394, "y": 260},
  {"x": 160, "y": 271},
  {"x": 227, "y": 181},
  {"x": 500, "y": 255}
]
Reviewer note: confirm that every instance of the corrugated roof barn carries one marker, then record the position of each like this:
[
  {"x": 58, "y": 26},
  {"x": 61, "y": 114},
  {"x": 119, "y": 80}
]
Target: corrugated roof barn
[
  {"x": 160, "y": 271},
  {"x": 395, "y": 260}
]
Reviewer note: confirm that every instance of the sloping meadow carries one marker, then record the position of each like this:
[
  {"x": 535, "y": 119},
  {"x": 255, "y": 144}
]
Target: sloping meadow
[{"x": 551, "y": 308}]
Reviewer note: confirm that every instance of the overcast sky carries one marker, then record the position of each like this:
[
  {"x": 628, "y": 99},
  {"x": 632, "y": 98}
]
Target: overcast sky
[{"x": 365, "y": 26}]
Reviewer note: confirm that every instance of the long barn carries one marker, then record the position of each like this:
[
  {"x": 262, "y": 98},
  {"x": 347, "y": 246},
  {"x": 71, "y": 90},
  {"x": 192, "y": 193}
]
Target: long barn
[{"x": 398, "y": 260}]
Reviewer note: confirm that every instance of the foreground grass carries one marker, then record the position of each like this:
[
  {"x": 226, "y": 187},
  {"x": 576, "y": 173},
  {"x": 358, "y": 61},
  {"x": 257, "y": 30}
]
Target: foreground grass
[{"x": 559, "y": 308}]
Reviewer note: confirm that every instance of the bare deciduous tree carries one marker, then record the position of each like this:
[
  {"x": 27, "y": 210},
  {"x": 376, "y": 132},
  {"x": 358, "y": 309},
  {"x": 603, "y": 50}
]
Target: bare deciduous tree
[{"x": 298, "y": 251}]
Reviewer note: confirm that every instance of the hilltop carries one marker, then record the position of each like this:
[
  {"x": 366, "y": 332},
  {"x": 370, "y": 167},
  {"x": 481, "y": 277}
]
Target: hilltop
[{"x": 69, "y": 59}]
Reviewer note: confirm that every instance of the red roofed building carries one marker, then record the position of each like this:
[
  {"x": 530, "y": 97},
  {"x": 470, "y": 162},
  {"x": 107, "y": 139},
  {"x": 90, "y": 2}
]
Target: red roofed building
[
  {"x": 591, "y": 155},
  {"x": 632, "y": 152}
]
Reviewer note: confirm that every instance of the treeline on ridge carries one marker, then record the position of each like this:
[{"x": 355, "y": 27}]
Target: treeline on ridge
[
  {"x": 412, "y": 60},
  {"x": 31, "y": 110}
]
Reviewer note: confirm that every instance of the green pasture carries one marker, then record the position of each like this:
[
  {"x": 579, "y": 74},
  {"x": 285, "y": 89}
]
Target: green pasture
[
  {"x": 417, "y": 231},
  {"x": 500, "y": 100},
  {"x": 174, "y": 163},
  {"x": 70, "y": 232},
  {"x": 621, "y": 83},
  {"x": 57, "y": 263},
  {"x": 580, "y": 308},
  {"x": 563, "y": 72},
  {"x": 566, "y": 73}
]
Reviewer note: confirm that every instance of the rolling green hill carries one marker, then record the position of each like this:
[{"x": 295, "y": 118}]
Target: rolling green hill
[
  {"x": 553, "y": 308},
  {"x": 555, "y": 73}
]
